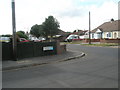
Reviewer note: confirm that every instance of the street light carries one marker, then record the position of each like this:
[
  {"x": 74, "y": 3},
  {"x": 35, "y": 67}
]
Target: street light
[{"x": 14, "y": 31}]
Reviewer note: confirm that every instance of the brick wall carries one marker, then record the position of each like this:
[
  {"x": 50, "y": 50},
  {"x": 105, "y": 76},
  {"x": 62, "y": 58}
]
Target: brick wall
[
  {"x": 60, "y": 48},
  {"x": 102, "y": 40},
  {"x": 110, "y": 41},
  {"x": 92, "y": 40}
]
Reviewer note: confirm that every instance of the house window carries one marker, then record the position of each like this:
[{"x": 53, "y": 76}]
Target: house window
[
  {"x": 109, "y": 34},
  {"x": 92, "y": 35}
]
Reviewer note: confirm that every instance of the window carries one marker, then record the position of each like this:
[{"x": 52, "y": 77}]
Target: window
[
  {"x": 109, "y": 34},
  {"x": 92, "y": 35}
]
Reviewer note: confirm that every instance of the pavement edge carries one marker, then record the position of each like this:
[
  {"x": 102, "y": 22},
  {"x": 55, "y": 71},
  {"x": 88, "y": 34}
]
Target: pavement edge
[{"x": 36, "y": 64}]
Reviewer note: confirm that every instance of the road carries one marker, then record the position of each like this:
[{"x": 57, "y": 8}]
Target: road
[{"x": 98, "y": 69}]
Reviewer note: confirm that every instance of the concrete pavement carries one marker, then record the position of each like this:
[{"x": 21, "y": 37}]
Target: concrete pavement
[{"x": 28, "y": 62}]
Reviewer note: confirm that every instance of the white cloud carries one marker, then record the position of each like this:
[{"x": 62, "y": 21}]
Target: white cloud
[
  {"x": 104, "y": 13},
  {"x": 99, "y": 15},
  {"x": 70, "y": 13}
]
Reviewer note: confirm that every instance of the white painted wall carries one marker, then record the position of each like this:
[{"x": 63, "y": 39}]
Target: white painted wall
[
  {"x": 97, "y": 35},
  {"x": 117, "y": 34},
  {"x": 106, "y": 35}
]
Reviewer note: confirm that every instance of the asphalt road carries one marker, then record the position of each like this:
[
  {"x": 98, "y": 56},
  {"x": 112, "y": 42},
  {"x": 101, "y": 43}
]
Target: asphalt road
[{"x": 98, "y": 69}]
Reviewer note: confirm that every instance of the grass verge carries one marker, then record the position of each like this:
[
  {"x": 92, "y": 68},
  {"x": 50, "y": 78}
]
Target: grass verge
[
  {"x": 100, "y": 44},
  {"x": 103, "y": 44}
]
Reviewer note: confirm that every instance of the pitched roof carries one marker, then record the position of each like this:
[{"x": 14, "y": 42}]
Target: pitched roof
[
  {"x": 108, "y": 26},
  {"x": 63, "y": 33},
  {"x": 80, "y": 32}
]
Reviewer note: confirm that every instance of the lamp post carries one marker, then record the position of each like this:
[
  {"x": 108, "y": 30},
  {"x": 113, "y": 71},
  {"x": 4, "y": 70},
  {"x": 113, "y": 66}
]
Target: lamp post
[
  {"x": 14, "y": 31},
  {"x": 89, "y": 28}
]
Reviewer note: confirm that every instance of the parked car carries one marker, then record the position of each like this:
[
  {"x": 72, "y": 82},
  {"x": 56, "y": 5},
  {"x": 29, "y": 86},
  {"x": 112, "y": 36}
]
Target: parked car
[
  {"x": 37, "y": 40},
  {"x": 71, "y": 37},
  {"x": 23, "y": 40},
  {"x": 4, "y": 39}
]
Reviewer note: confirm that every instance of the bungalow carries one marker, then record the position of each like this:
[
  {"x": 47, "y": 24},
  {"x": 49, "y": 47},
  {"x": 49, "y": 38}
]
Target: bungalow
[{"x": 108, "y": 30}]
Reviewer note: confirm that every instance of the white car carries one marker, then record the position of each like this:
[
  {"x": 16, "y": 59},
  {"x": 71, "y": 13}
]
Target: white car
[{"x": 71, "y": 37}]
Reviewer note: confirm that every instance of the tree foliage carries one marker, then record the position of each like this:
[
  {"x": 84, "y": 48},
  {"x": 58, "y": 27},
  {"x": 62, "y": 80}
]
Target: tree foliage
[
  {"x": 50, "y": 26},
  {"x": 36, "y": 30},
  {"x": 7, "y": 35},
  {"x": 22, "y": 34}
]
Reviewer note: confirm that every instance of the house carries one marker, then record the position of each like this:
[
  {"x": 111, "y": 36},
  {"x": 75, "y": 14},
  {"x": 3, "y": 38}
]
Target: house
[
  {"x": 108, "y": 30},
  {"x": 82, "y": 33},
  {"x": 62, "y": 35},
  {"x": 79, "y": 32}
]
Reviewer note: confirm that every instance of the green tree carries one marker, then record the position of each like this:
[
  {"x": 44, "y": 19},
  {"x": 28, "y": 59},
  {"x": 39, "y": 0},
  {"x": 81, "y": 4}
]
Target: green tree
[
  {"x": 22, "y": 34},
  {"x": 36, "y": 30},
  {"x": 21, "y": 31},
  {"x": 7, "y": 35},
  {"x": 50, "y": 26}
]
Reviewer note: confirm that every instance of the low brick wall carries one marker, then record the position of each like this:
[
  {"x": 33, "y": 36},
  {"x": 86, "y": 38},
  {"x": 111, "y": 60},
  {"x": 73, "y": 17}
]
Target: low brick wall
[
  {"x": 77, "y": 39},
  {"x": 60, "y": 48},
  {"x": 102, "y": 40},
  {"x": 92, "y": 40},
  {"x": 110, "y": 41}
]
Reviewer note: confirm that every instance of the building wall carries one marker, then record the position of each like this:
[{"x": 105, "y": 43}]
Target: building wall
[
  {"x": 97, "y": 35},
  {"x": 116, "y": 34},
  {"x": 86, "y": 36},
  {"x": 107, "y": 35}
]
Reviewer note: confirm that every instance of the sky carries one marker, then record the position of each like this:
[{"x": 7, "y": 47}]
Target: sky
[{"x": 71, "y": 14}]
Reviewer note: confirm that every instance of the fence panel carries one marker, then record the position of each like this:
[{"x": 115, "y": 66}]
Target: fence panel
[
  {"x": 37, "y": 49},
  {"x": 25, "y": 49},
  {"x": 29, "y": 49},
  {"x": 7, "y": 52}
]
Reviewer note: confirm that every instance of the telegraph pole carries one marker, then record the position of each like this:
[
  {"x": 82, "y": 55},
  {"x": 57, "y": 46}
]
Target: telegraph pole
[
  {"x": 89, "y": 28},
  {"x": 14, "y": 40}
]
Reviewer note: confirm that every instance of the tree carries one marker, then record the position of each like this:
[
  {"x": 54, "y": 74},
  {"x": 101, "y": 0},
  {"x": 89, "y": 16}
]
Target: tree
[
  {"x": 50, "y": 26},
  {"x": 36, "y": 30},
  {"x": 22, "y": 34},
  {"x": 7, "y": 35}
]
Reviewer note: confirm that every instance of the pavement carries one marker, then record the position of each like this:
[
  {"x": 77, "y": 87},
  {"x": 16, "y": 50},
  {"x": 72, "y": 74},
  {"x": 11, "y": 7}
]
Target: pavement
[{"x": 29, "y": 62}]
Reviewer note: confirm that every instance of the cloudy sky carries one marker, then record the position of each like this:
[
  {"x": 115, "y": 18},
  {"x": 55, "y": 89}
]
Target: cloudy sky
[{"x": 71, "y": 14}]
